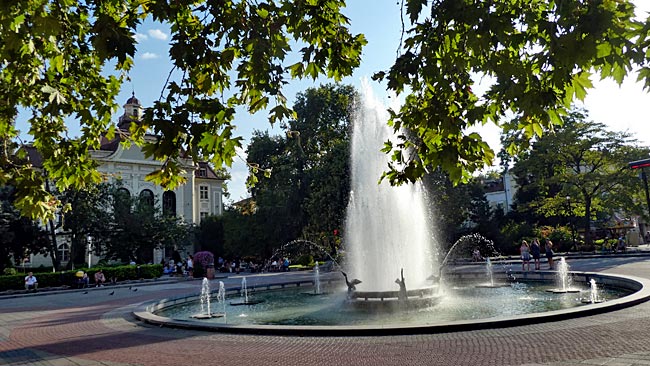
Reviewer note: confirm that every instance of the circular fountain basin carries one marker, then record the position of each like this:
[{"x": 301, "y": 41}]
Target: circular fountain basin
[{"x": 632, "y": 291}]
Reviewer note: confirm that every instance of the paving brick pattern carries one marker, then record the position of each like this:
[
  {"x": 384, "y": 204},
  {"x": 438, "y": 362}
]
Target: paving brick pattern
[{"x": 73, "y": 328}]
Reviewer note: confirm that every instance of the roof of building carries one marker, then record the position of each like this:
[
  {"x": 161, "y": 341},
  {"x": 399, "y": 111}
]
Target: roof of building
[
  {"x": 33, "y": 156},
  {"x": 133, "y": 99},
  {"x": 209, "y": 172}
]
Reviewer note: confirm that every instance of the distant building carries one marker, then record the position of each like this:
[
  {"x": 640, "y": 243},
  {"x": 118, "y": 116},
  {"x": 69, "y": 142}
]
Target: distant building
[
  {"x": 200, "y": 197},
  {"x": 501, "y": 192}
]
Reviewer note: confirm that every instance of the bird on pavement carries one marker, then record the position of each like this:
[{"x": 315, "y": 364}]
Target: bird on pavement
[
  {"x": 111, "y": 293},
  {"x": 85, "y": 292}
]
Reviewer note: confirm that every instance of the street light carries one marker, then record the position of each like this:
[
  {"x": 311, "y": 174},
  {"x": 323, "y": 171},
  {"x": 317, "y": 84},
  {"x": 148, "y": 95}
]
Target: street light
[
  {"x": 90, "y": 243},
  {"x": 571, "y": 224}
]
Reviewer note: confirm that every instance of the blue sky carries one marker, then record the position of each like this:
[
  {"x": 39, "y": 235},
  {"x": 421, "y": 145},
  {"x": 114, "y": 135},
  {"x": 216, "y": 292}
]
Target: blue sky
[{"x": 622, "y": 109}]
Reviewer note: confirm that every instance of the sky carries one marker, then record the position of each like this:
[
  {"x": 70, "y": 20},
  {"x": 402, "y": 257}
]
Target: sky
[{"x": 620, "y": 108}]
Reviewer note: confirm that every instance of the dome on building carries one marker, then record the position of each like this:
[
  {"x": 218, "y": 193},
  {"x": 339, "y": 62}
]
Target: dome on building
[
  {"x": 132, "y": 113},
  {"x": 133, "y": 100}
]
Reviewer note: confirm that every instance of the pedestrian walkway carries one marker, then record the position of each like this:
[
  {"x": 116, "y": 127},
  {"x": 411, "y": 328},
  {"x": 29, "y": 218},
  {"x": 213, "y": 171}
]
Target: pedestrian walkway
[{"x": 97, "y": 328}]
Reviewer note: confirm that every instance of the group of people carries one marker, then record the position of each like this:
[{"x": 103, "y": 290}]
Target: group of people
[
  {"x": 83, "y": 280},
  {"x": 534, "y": 251},
  {"x": 278, "y": 265},
  {"x": 179, "y": 268}
]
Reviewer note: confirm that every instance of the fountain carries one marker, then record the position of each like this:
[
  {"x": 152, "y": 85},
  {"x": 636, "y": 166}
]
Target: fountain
[
  {"x": 206, "y": 311},
  {"x": 594, "y": 296},
  {"x": 490, "y": 275},
  {"x": 318, "y": 290},
  {"x": 221, "y": 299},
  {"x": 244, "y": 295},
  {"x": 563, "y": 279},
  {"x": 387, "y": 228},
  {"x": 388, "y": 236}
]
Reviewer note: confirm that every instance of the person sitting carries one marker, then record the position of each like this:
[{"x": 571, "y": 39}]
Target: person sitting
[
  {"x": 476, "y": 255},
  {"x": 30, "y": 282},
  {"x": 621, "y": 244},
  {"x": 99, "y": 278},
  {"x": 83, "y": 281}
]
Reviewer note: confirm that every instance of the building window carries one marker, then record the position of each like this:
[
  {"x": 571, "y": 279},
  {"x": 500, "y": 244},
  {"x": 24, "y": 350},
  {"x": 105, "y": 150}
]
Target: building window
[
  {"x": 64, "y": 252},
  {"x": 203, "y": 193},
  {"x": 203, "y": 215},
  {"x": 169, "y": 203},
  {"x": 122, "y": 202},
  {"x": 203, "y": 172},
  {"x": 146, "y": 197}
]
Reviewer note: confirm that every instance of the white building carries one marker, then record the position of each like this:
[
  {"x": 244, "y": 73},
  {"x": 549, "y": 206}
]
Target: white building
[
  {"x": 501, "y": 192},
  {"x": 201, "y": 196}
]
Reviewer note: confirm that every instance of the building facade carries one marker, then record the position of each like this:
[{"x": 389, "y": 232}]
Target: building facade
[{"x": 200, "y": 197}]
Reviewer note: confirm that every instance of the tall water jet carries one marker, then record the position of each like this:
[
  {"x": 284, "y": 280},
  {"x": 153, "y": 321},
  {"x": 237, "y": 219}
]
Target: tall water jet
[
  {"x": 317, "y": 289},
  {"x": 205, "y": 297},
  {"x": 206, "y": 311},
  {"x": 594, "y": 293},
  {"x": 387, "y": 228},
  {"x": 563, "y": 278},
  {"x": 490, "y": 271},
  {"x": 244, "y": 290},
  {"x": 221, "y": 298}
]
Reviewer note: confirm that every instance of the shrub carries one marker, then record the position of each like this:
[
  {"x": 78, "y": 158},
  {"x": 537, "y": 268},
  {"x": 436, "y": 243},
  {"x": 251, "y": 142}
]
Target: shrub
[
  {"x": 9, "y": 271},
  {"x": 68, "y": 278},
  {"x": 305, "y": 260},
  {"x": 203, "y": 258}
]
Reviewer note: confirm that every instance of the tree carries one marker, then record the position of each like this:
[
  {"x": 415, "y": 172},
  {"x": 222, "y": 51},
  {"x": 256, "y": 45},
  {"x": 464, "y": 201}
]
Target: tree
[
  {"x": 307, "y": 193},
  {"x": 55, "y": 56},
  {"x": 540, "y": 55},
  {"x": 582, "y": 161},
  {"x": 138, "y": 227},
  {"x": 19, "y": 236},
  {"x": 210, "y": 235},
  {"x": 89, "y": 215}
]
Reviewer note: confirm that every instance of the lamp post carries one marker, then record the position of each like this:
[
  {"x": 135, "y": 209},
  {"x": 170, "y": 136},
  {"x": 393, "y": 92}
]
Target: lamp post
[
  {"x": 573, "y": 235},
  {"x": 90, "y": 243}
]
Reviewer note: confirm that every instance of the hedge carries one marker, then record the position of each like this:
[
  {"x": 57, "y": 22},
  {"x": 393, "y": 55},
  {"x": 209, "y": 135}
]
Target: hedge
[{"x": 121, "y": 273}]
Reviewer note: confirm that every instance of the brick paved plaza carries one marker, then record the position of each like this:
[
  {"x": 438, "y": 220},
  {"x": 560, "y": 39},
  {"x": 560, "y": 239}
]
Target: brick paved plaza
[{"x": 73, "y": 328}]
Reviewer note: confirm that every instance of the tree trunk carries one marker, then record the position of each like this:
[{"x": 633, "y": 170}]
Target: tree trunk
[
  {"x": 56, "y": 261},
  {"x": 587, "y": 222}
]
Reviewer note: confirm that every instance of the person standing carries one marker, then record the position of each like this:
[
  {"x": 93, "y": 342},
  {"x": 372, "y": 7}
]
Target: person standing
[
  {"x": 535, "y": 252},
  {"x": 549, "y": 253},
  {"x": 30, "y": 282},
  {"x": 190, "y": 266},
  {"x": 524, "y": 251}
]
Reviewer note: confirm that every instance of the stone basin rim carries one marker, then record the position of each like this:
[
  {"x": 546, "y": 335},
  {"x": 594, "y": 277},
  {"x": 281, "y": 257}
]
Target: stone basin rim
[{"x": 640, "y": 286}]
